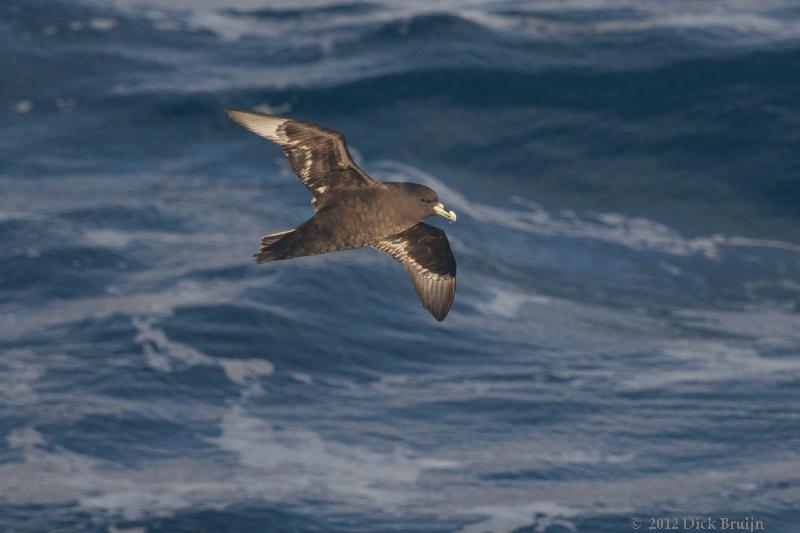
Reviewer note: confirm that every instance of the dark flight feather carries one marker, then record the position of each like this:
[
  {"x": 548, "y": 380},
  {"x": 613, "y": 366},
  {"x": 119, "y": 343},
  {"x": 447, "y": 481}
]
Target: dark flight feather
[
  {"x": 425, "y": 253},
  {"x": 317, "y": 155}
]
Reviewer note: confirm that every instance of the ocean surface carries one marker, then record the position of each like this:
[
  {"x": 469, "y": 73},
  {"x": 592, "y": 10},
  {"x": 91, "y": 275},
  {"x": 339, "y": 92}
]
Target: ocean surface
[{"x": 625, "y": 339}]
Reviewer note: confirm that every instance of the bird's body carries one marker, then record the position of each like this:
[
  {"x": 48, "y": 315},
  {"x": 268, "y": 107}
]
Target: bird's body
[
  {"x": 357, "y": 219},
  {"x": 353, "y": 210}
]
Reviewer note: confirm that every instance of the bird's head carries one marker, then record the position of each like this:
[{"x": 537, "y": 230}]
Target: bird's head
[{"x": 426, "y": 202}]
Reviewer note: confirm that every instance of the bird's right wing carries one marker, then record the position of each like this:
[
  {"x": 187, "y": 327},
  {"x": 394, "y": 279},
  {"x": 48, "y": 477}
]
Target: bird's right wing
[
  {"x": 317, "y": 155},
  {"x": 425, "y": 253}
]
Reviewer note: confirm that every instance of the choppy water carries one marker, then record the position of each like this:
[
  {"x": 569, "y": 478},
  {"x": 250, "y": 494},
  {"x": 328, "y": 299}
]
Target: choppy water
[{"x": 625, "y": 340}]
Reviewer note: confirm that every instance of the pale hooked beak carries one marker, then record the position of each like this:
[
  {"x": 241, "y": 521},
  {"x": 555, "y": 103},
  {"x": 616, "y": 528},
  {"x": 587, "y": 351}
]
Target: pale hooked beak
[{"x": 441, "y": 210}]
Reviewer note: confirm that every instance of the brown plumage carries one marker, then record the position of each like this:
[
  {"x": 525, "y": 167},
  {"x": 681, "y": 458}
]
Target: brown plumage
[{"x": 353, "y": 210}]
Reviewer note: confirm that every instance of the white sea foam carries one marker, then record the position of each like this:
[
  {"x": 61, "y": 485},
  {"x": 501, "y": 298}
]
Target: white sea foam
[
  {"x": 295, "y": 466},
  {"x": 65, "y": 103},
  {"x": 20, "y": 370},
  {"x": 139, "y": 303},
  {"x": 709, "y": 361},
  {"x": 24, "y": 438},
  {"x": 540, "y": 516},
  {"x": 276, "y": 109},
  {"x": 288, "y": 463},
  {"x": 747, "y": 19},
  {"x": 712, "y": 26},
  {"x": 23, "y": 106},
  {"x": 96, "y": 23},
  {"x": 242, "y": 371},
  {"x": 109, "y": 238},
  {"x": 297, "y": 460},
  {"x": 744, "y": 16},
  {"x": 272, "y": 464},
  {"x": 506, "y": 303},
  {"x": 102, "y": 24},
  {"x": 144, "y": 292},
  {"x": 161, "y": 353},
  {"x": 301, "y": 378},
  {"x": 155, "y": 340},
  {"x": 766, "y": 325}
]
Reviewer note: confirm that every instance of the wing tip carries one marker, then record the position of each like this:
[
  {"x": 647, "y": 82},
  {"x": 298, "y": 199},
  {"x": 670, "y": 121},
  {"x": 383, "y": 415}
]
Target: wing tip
[
  {"x": 235, "y": 111},
  {"x": 440, "y": 313},
  {"x": 237, "y": 114},
  {"x": 439, "y": 306},
  {"x": 259, "y": 123}
]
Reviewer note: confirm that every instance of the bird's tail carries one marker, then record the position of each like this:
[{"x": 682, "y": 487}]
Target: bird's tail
[{"x": 271, "y": 249}]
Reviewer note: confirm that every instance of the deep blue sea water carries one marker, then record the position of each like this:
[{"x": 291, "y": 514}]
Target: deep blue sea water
[{"x": 625, "y": 340}]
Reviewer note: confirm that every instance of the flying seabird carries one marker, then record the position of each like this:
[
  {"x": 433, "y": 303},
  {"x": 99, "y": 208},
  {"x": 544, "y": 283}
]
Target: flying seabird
[{"x": 353, "y": 210}]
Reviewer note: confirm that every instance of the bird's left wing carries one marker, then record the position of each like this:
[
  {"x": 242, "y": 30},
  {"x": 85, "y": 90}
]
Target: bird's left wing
[
  {"x": 425, "y": 253},
  {"x": 317, "y": 155}
]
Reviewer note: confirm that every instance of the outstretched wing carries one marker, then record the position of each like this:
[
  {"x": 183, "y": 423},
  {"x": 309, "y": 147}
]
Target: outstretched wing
[
  {"x": 425, "y": 253},
  {"x": 317, "y": 155}
]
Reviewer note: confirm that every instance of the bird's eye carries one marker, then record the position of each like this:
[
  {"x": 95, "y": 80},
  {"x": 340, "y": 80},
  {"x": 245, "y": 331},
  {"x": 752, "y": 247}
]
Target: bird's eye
[{"x": 421, "y": 199}]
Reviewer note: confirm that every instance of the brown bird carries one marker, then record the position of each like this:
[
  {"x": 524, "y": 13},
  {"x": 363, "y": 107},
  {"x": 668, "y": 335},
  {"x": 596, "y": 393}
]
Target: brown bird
[{"x": 353, "y": 210}]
